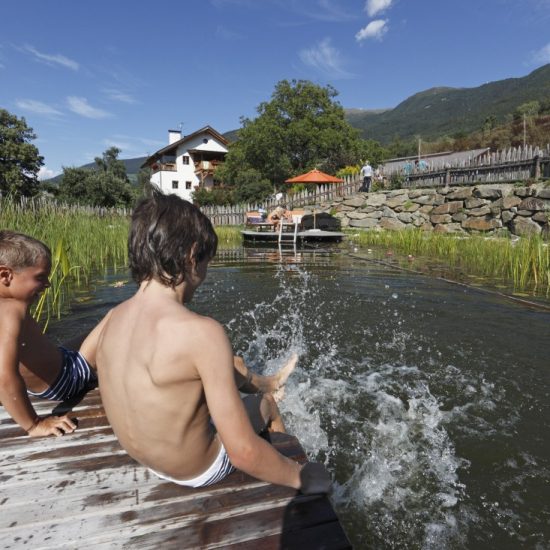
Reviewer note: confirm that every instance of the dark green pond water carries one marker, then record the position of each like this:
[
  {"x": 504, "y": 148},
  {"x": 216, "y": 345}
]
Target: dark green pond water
[{"x": 429, "y": 402}]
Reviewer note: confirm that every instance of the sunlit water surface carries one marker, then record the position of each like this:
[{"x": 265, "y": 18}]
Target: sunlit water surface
[{"x": 429, "y": 402}]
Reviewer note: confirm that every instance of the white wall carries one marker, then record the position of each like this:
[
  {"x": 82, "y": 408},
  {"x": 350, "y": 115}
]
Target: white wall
[{"x": 163, "y": 180}]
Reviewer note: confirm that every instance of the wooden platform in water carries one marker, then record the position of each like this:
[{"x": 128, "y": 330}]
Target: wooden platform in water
[
  {"x": 84, "y": 491},
  {"x": 310, "y": 235}
]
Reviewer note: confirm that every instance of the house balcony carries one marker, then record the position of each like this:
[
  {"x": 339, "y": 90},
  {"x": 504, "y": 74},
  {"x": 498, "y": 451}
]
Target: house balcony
[
  {"x": 163, "y": 167},
  {"x": 207, "y": 167}
]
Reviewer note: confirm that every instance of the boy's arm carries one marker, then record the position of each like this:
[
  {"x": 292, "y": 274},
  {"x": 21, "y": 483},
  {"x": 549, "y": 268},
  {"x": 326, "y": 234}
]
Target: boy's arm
[
  {"x": 247, "y": 451},
  {"x": 88, "y": 348},
  {"x": 13, "y": 391}
]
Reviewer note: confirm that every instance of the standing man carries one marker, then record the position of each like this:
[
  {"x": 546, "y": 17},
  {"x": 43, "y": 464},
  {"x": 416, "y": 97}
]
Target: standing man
[{"x": 366, "y": 173}]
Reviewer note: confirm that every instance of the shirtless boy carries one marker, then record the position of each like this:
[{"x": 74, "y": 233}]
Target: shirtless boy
[
  {"x": 166, "y": 374},
  {"x": 29, "y": 362}
]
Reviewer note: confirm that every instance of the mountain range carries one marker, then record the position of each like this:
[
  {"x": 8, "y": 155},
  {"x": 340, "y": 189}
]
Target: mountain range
[
  {"x": 443, "y": 111},
  {"x": 432, "y": 113}
]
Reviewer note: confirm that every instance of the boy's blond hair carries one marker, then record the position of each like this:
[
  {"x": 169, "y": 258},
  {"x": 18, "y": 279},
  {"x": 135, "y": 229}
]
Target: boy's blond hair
[{"x": 19, "y": 251}]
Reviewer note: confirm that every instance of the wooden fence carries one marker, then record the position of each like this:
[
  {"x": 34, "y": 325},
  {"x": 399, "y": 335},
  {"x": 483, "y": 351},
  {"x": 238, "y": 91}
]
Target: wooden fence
[
  {"x": 235, "y": 215},
  {"x": 509, "y": 165}
]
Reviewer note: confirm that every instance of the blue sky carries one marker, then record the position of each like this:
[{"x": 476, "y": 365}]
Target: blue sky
[{"x": 88, "y": 75}]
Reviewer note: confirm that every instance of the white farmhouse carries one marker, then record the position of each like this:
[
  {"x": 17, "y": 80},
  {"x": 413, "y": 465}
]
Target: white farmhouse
[{"x": 187, "y": 162}]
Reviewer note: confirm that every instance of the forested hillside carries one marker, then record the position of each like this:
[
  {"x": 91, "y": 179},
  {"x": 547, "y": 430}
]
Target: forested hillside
[{"x": 446, "y": 111}]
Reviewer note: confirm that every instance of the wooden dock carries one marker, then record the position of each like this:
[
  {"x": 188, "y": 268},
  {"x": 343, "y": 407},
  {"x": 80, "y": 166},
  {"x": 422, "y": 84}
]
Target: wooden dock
[{"x": 83, "y": 491}]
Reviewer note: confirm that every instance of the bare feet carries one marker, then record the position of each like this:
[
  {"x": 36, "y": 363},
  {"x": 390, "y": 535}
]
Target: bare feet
[
  {"x": 286, "y": 371},
  {"x": 279, "y": 394}
]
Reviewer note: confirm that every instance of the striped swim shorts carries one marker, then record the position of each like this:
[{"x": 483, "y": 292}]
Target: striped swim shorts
[{"x": 76, "y": 376}]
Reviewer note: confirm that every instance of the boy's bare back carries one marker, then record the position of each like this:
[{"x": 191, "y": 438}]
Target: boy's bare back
[{"x": 152, "y": 388}]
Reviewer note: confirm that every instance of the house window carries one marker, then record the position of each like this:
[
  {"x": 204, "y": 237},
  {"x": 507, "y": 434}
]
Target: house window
[
  {"x": 175, "y": 184},
  {"x": 187, "y": 185},
  {"x": 185, "y": 159},
  {"x": 205, "y": 140}
]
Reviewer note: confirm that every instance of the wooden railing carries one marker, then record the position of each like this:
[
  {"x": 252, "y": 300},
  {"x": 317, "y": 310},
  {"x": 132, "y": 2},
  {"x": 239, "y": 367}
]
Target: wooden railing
[
  {"x": 165, "y": 167},
  {"x": 509, "y": 165}
]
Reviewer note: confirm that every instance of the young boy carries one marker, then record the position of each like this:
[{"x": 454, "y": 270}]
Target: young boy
[
  {"x": 29, "y": 362},
  {"x": 166, "y": 374}
]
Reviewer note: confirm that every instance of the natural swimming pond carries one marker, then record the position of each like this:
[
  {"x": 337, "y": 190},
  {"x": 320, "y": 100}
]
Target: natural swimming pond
[{"x": 430, "y": 402}]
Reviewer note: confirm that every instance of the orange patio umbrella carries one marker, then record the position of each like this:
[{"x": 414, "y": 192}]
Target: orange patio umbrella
[{"x": 314, "y": 176}]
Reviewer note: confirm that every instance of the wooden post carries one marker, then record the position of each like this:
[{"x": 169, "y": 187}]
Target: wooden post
[{"x": 536, "y": 168}]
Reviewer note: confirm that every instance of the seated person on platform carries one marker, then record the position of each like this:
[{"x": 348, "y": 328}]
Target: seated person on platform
[
  {"x": 166, "y": 374},
  {"x": 280, "y": 213},
  {"x": 29, "y": 363}
]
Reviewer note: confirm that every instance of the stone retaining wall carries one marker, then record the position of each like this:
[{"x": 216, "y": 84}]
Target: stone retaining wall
[{"x": 484, "y": 208}]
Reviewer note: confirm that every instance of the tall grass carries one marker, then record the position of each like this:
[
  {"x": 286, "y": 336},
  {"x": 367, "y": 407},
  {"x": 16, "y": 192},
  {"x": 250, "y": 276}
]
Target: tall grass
[
  {"x": 92, "y": 238},
  {"x": 229, "y": 236},
  {"x": 525, "y": 262}
]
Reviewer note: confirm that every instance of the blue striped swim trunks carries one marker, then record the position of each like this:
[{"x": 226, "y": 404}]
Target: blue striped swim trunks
[{"x": 75, "y": 376}]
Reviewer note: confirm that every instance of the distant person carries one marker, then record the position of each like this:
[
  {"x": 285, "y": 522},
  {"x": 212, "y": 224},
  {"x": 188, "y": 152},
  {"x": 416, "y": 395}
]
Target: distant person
[
  {"x": 30, "y": 364},
  {"x": 407, "y": 168},
  {"x": 280, "y": 213},
  {"x": 366, "y": 174},
  {"x": 166, "y": 374}
]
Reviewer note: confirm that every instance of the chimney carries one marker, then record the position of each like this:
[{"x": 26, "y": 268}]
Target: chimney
[{"x": 173, "y": 136}]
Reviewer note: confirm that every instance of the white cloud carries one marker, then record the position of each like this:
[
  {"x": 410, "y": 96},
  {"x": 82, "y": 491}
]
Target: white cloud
[
  {"x": 375, "y": 29},
  {"x": 372, "y": 7},
  {"x": 325, "y": 58},
  {"x": 123, "y": 146},
  {"x": 37, "y": 107},
  {"x": 80, "y": 106},
  {"x": 49, "y": 59},
  {"x": 118, "y": 95},
  {"x": 45, "y": 173},
  {"x": 542, "y": 56}
]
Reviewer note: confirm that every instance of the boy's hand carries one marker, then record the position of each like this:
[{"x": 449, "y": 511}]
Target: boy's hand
[
  {"x": 52, "y": 425},
  {"x": 314, "y": 479}
]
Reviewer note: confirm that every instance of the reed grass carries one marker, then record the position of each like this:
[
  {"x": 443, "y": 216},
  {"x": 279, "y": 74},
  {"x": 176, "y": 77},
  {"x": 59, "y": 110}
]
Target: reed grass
[
  {"x": 92, "y": 237},
  {"x": 229, "y": 236},
  {"x": 525, "y": 263}
]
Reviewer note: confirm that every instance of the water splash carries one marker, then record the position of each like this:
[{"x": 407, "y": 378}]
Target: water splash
[{"x": 378, "y": 427}]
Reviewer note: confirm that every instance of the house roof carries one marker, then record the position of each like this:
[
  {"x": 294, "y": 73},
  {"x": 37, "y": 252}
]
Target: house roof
[
  {"x": 174, "y": 146},
  {"x": 314, "y": 176}
]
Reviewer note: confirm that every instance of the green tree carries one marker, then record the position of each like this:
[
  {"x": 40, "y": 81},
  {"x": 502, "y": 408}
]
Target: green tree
[
  {"x": 528, "y": 109},
  {"x": 144, "y": 181},
  {"x": 251, "y": 187},
  {"x": 19, "y": 159},
  {"x": 372, "y": 151},
  {"x": 106, "y": 184},
  {"x": 301, "y": 128}
]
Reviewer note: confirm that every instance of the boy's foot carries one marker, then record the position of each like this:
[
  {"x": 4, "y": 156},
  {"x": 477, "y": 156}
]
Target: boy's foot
[
  {"x": 279, "y": 394},
  {"x": 286, "y": 371}
]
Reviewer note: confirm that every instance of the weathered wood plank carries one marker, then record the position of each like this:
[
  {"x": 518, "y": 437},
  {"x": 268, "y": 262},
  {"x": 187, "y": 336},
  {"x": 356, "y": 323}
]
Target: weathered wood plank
[{"x": 83, "y": 490}]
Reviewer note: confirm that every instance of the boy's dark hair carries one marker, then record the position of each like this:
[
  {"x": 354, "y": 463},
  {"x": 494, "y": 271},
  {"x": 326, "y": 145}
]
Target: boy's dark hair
[
  {"x": 165, "y": 231},
  {"x": 20, "y": 251}
]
